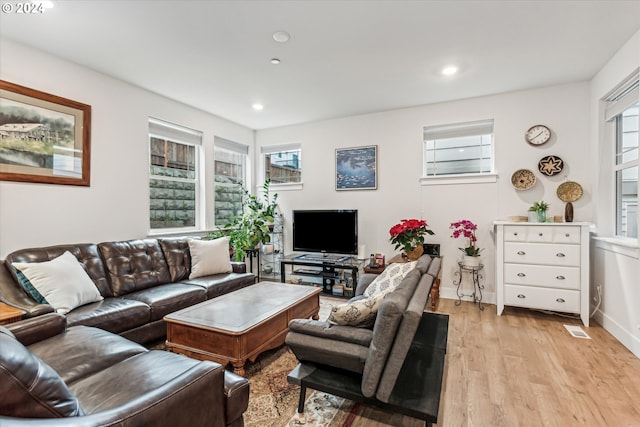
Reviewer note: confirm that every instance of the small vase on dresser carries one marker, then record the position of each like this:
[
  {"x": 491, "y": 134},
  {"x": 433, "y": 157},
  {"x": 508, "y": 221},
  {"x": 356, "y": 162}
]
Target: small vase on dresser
[{"x": 543, "y": 266}]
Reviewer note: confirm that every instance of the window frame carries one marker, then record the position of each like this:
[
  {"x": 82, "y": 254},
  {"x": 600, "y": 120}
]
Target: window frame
[
  {"x": 626, "y": 95},
  {"x": 270, "y": 149},
  {"x": 177, "y": 134},
  {"x": 458, "y": 130},
  {"x": 230, "y": 147}
]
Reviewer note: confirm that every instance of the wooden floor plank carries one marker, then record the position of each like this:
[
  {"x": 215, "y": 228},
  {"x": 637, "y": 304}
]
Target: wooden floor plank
[{"x": 523, "y": 369}]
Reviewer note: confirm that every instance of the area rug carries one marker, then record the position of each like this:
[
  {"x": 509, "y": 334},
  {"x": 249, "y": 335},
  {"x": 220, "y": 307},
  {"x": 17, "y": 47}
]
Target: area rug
[{"x": 273, "y": 401}]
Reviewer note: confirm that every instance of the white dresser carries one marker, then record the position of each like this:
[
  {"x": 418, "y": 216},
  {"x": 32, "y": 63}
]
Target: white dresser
[{"x": 543, "y": 266}]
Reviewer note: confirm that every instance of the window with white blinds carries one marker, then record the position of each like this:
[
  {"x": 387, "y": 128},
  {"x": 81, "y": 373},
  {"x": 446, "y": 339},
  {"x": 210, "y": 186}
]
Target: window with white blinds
[
  {"x": 622, "y": 109},
  {"x": 230, "y": 172},
  {"x": 283, "y": 163},
  {"x": 173, "y": 176},
  {"x": 458, "y": 149}
]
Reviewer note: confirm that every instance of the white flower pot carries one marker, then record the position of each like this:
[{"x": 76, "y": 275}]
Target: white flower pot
[{"x": 471, "y": 261}]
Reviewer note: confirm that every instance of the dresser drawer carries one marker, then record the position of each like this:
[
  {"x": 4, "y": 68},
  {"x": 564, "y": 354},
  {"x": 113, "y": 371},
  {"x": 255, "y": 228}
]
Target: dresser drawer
[
  {"x": 539, "y": 275},
  {"x": 542, "y": 253},
  {"x": 542, "y": 234},
  {"x": 564, "y": 300}
]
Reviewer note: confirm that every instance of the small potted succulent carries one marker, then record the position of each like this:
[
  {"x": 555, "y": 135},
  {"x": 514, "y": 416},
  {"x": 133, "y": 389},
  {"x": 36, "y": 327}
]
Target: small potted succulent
[{"x": 540, "y": 210}]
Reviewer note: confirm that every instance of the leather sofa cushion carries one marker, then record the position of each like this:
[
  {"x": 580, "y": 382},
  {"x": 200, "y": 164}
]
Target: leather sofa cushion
[
  {"x": 29, "y": 387},
  {"x": 145, "y": 376},
  {"x": 134, "y": 265},
  {"x": 111, "y": 314},
  {"x": 86, "y": 253},
  {"x": 220, "y": 284},
  {"x": 176, "y": 252},
  {"x": 165, "y": 299},
  {"x": 385, "y": 329},
  {"x": 82, "y": 351}
]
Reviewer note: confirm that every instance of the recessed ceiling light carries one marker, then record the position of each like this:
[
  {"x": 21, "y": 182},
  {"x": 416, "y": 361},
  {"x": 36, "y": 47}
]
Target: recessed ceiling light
[
  {"x": 281, "y": 36},
  {"x": 275, "y": 61},
  {"x": 258, "y": 107},
  {"x": 449, "y": 70}
]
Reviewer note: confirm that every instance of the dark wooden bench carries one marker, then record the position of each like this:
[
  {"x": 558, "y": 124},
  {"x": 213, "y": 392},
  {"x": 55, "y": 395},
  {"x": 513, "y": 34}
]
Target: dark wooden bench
[{"x": 419, "y": 384}]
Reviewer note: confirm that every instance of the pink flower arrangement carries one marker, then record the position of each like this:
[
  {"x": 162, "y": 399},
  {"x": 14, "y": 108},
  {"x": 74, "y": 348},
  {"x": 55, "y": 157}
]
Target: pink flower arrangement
[
  {"x": 409, "y": 233},
  {"x": 466, "y": 228}
]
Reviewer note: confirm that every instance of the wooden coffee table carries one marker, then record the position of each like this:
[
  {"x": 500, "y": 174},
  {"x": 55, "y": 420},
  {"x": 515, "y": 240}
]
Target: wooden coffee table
[{"x": 238, "y": 326}]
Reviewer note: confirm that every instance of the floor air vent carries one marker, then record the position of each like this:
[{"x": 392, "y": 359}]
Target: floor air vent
[{"x": 577, "y": 332}]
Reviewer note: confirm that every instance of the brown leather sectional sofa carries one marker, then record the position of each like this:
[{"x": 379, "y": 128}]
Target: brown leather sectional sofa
[
  {"x": 79, "y": 369},
  {"x": 82, "y": 376},
  {"x": 141, "y": 281}
]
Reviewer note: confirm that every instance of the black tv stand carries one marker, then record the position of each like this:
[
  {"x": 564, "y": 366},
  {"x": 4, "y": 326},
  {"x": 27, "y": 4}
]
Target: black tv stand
[{"x": 328, "y": 269}]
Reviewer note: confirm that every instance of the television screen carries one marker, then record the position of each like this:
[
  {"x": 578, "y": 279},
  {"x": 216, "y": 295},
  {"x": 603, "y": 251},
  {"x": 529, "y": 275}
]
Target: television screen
[{"x": 329, "y": 231}]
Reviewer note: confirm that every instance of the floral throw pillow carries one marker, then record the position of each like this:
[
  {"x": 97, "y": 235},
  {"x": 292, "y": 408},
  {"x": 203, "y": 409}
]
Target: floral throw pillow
[
  {"x": 360, "y": 313},
  {"x": 389, "y": 279}
]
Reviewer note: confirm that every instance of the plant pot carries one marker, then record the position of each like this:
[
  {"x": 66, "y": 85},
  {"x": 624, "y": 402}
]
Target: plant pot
[
  {"x": 471, "y": 261},
  {"x": 542, "y": 216},
  {"x": 415, "y": 253},
  {"x": 532, "y": 216}
]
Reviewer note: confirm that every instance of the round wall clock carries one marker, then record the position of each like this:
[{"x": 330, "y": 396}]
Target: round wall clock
[
  {"x": 550, "y": 165},
  {"x": 538, "y": 135}
]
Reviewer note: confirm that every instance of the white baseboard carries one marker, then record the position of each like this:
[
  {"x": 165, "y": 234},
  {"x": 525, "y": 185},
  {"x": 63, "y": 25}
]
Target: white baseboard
[{"x": 618, "y": 331}]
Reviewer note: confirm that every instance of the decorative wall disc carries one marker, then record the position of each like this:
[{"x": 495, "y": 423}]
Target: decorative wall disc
[
  {"x": 550, "y": 165},
  {"x": 569, "y": 191},
  {"x": 523, "y": 179}
]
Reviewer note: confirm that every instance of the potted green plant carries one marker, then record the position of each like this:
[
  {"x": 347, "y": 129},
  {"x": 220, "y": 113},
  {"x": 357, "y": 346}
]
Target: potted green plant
[
  {"x": 251, "y": 228},
  {"x": 540, "y": 209}
]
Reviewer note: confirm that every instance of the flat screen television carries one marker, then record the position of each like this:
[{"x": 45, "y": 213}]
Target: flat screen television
[{"x": 326, "y": 231}]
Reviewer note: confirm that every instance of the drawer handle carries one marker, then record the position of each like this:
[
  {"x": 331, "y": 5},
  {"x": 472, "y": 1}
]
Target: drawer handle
[
  {"x": 521, "y": 296},
  {"x": 560, "y": 277},
  {"x": 560, "y": 300},
  {"x": 521, "y": 274},
  {"x": 560, "y": 254},
  {"x": 540, "y": 234},
  {"x": 567, "y": 235},
  {"x": 515, "y": 234},
  {"x": 521, "y": 253}
]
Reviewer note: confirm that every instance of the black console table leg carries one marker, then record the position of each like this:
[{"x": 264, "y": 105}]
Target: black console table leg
[{"x": 303, "y": 394}]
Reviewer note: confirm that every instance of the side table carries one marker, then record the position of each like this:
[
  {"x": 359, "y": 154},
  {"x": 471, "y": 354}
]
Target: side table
[
  {"x": 9, "y": 314},
  {"x": 474, "y": 272}
]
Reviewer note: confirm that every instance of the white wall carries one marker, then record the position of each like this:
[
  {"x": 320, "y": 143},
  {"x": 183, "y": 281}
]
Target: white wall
[
  {"x": 398, "y": 135},
  {"x": 116, "y": 205},
  {"x": 615, "y": 262}
]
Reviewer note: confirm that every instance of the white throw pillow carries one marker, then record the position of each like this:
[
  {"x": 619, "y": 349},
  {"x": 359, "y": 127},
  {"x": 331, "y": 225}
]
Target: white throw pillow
[
  {"x": 389, "y": 279},
  {"x": 209, "y": 257},
  {"x": 62, "y": 282},
  {"x": 360, "y": 313}
]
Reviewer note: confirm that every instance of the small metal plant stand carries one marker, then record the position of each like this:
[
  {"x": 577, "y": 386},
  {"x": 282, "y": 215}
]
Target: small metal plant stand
[{"x": 474, "y": 272}]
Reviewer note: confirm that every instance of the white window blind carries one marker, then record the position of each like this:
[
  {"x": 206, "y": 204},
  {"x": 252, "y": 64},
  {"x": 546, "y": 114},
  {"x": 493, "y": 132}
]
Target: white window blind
[{"x": 460, "y": 148}]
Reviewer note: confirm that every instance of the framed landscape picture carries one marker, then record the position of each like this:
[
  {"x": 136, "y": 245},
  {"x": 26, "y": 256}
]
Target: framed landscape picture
[
  {"x": 357, "y": 168},
  {"x": 43, "y": 138}
]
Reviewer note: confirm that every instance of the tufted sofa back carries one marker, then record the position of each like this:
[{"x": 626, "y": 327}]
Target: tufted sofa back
[
  {"x": 134, "y": 265},
  {"x": 86, "y": 253}
]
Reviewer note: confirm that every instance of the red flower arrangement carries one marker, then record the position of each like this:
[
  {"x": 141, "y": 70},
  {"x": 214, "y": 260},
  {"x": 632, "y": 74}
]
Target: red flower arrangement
[
  {"x": 409, "y": 233},
  {"x": 466, "y": 228}
]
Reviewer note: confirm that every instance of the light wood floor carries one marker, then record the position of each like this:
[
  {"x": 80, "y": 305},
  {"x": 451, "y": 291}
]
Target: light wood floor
[{"x": 523, "y": 369}]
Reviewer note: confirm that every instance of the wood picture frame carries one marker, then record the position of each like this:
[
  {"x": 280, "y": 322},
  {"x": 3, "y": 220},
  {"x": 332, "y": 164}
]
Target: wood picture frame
[
  {"x": 357, "y": 168},
  {"x": 44, "y": 138}
]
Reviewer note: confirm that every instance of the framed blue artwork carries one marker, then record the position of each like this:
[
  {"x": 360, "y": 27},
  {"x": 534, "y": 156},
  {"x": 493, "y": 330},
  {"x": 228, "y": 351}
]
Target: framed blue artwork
[{"x": 357, "y": 168}]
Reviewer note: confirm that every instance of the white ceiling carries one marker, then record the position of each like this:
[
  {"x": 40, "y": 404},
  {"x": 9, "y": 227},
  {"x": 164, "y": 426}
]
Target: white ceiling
[{"x": 344, "y": 58}]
